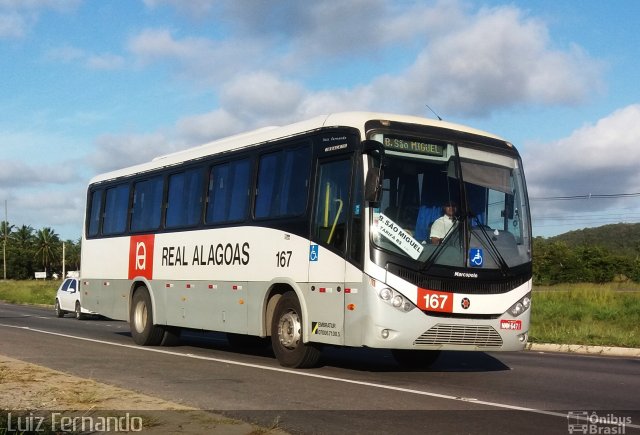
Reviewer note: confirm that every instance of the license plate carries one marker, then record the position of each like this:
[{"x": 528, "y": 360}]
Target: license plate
[{"x": 513, "y": 325}]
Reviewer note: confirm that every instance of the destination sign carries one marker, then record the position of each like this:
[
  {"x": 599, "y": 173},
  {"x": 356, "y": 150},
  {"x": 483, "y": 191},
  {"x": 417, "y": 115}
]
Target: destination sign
[{"x": 407, "y": 145}]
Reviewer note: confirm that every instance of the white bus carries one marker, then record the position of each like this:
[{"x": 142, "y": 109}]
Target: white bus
[{"x": 319, "y": 233}]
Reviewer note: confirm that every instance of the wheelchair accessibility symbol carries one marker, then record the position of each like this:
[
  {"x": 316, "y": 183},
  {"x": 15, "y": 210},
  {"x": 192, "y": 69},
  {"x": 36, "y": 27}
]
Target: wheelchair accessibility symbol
[
  {"x": 476, "y": 257},
  {"x": 313, "y": 252}
]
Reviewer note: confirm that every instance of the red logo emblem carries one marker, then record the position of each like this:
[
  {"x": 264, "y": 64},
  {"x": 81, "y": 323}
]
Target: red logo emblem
[
  {"x": 466, "y": 303},
  {"x": 141, "y": 256}
]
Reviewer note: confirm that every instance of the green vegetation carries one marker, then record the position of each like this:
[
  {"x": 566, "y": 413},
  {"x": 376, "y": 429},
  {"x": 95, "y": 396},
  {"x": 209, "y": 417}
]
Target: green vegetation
[
  {"x": 30, "y": 251},
  {"x": 590, "y": 314},
  {"x": 578, "y": 281},
  {"x": 595, "y": 255},
  {"x": 29, "y": 292}
]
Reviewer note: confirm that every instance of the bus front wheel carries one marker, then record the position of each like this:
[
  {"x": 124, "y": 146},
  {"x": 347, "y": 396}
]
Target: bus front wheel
[
  {"x": 143, "y": 331},
  {"x": 286, "y": 335}
]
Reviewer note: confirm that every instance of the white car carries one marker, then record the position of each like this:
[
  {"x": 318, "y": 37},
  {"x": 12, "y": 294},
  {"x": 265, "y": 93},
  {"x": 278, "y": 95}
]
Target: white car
[{"x": 68, "y": 299}]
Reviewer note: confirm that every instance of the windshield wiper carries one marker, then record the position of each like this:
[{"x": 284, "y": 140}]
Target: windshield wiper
[
  {"x": 492, "y": 248},
  {"x": 436, "y": 252}
]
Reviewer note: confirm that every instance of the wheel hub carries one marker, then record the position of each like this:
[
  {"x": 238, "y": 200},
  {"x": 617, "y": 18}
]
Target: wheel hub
[
  {"x": 289, "y": 329},
  {"x": 140, "y": 317}
]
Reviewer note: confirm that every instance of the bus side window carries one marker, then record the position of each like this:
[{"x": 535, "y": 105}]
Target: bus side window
[
  {"x": 184, "y": 199},
  {"x": 228, "y": 192},
  {"x": 94, "y": 213},
  {"x": 147, "y": 204},
  {"x": 332, "y": 204},
  {"x": 283, "y": 183},
  {"x": 116, "y": 208}
]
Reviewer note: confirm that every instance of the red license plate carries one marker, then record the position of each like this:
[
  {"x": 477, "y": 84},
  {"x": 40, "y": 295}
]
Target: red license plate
[{"x": 513, "y": 325}]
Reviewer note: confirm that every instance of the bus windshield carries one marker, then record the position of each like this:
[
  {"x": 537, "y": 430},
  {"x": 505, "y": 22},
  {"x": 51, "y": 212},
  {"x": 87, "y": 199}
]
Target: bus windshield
[{"x": 451, "y": 204}]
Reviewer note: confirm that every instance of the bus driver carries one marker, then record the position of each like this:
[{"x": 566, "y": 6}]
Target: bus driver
[{"x": 441, "y": 226}]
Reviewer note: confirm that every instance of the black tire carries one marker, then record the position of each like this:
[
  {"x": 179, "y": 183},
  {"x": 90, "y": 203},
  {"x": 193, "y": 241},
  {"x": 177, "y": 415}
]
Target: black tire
[
  {"x": 59, "y": 312},
  {"x": 143, "y": 331},
  {"x": 415, "y": 359},
  {"x": 286, "y": 335},
  {"x": 78, "y": 311},
  {"x": 171, "y": 336}
]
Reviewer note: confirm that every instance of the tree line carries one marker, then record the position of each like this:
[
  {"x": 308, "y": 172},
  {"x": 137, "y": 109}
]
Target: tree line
[
  {"x": 28, "y": 250},
  {"x": 597, "y": 255},
  {"x": 557, "y": 261}
]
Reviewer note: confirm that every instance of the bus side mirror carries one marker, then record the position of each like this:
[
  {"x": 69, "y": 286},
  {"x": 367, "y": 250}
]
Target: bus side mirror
[{"x": 372, "y": 186}]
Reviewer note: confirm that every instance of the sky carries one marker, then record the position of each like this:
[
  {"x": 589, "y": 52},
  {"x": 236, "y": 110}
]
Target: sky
[{"x": 91, "y": 86}]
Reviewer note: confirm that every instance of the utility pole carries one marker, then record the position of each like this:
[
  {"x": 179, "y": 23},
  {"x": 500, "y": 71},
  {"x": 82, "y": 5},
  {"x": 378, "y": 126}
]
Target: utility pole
[
  {"x": 4, "y": 243},
  {"x": 64, "y": 272}
]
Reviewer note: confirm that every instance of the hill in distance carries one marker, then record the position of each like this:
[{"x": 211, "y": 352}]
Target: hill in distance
[{"x": 623, "y": 239}]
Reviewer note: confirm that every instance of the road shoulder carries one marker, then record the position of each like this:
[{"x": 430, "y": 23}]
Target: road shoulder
[{"x": 29, "y": 392}]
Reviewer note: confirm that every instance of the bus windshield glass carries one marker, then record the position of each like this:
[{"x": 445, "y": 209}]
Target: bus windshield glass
[{"x": 451, "y": 204}]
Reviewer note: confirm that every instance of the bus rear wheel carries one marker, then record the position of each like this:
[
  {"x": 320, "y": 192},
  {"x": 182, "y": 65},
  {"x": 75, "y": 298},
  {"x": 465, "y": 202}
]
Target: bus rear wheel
[
  {"x": 143, "y": 331},
  {"x": 286, "y": 335}
]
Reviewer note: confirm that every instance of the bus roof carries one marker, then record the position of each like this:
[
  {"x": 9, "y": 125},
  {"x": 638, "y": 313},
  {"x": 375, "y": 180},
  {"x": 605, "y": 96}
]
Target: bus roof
[{"x": 266, "y": 134}]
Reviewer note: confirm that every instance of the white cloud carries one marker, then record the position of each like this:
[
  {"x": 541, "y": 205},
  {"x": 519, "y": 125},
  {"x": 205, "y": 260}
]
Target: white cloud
[
  {"x": 17, "y": 17},
  {"x": 12, "y": 25},
  {"x": 69, "y": 53},
  {"x": 198, "y": 129},
  {"x": 497, "y": 59},
  {"x": 196, "y": 59},
  {"x": 600, "y": 158},
  {"x": 118, "y": 151},
  {"x": 193, "y": 8},
  {"x": 14, "y": 173},
  {"x": 466, "y": 63},
  {"x": 106, "y": 61}
]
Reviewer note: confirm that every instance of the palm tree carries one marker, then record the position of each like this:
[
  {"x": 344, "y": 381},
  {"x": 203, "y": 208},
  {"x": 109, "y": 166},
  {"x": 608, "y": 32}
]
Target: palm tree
[
  {"x": 6, "y": 229},
  {"x": 22, "y": 250},
  {"x": 47, "y": 244},
  {"x": 73, "y": 254},
  {"x": 23, "y": 237}
]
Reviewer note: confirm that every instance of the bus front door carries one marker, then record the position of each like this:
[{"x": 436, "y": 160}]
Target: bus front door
[{"x": 327, "y": 262}]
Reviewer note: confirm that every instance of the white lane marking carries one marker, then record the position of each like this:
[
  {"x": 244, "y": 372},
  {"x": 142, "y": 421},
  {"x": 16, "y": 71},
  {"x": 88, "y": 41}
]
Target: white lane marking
[{"x": 310, "y": 375}]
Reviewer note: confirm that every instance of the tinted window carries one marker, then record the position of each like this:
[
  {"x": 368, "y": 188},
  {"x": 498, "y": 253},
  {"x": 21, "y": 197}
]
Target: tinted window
[
  {"x": 283, "y": 183},
  {"x": 94, "y": 213},
  {"x": 147, "y": 205},
  {"x": 184, "y": 199},
  {"x": 332, "y": 204},
  {"x": 229, "y": 192},
  {"x": 115, "y": 210}
]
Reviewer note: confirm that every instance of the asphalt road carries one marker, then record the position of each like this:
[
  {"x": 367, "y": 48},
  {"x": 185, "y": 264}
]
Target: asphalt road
[{"x": 353, "y": 391}]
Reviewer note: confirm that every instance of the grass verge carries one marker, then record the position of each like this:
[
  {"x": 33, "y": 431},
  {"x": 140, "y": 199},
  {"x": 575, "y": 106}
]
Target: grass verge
[
  {"x": 29, "y": 291},
  {"x": 587, "y": 314}
]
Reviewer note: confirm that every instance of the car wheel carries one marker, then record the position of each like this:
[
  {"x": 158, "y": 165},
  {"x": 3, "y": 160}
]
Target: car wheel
[
  {"x": 59, "y": 312},
  {"x": 79, "y": 314}
]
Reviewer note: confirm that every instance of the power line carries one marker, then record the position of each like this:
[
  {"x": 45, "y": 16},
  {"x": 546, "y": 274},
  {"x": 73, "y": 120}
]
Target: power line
[{"x": 587, "y": 196}]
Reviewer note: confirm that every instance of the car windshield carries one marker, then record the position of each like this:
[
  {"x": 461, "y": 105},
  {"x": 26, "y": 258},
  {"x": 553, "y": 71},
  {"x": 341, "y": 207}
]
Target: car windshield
[{"x": 451, "y": 204}]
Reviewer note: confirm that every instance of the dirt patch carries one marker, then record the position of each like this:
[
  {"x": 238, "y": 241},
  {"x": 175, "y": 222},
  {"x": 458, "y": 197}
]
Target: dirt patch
[{"x": 29, "y": 392}]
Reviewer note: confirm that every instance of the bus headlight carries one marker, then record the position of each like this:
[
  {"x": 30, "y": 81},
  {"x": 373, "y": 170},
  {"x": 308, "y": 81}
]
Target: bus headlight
[
  {"x": 386, "y": 294},
  {"x": 521, "y": 306},
  {"x": 396, "y": 300}
]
